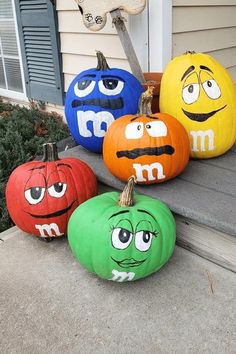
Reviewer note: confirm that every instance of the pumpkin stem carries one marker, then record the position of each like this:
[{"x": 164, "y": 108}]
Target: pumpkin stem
[
  {"x": 145, "y": 102},
  {"x": 50, "y": 152},
  {"x": 126, "y": 198},
  {"x": 102, "y": 62}
]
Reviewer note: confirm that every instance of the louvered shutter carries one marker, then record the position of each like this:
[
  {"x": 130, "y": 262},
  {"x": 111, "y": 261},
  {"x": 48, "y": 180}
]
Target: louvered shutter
[{"x": 40, "y": 50}]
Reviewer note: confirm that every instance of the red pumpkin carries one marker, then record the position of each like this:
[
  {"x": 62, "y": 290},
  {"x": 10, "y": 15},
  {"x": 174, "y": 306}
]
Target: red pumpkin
[
  {"x": 41, "y": 195},
  {"x": 152, "y": 147}
]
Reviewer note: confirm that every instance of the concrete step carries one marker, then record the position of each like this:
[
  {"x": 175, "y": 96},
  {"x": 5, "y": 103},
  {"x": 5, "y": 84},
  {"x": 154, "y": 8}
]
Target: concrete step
[
  {"x": 203, "y": 199},
  {"x": 205, "y": 192},
  {"x": 9, "y": 233},
  {"x": 206, "y": 242}
]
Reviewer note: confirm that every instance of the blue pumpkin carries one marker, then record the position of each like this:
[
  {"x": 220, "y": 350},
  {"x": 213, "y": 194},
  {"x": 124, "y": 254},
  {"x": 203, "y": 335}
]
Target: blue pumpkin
[{"x": 95, "y": 98}]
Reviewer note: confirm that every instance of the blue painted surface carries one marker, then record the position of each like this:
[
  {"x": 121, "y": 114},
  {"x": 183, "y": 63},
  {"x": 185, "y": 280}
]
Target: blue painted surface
[{"x": 94, "y": 99}]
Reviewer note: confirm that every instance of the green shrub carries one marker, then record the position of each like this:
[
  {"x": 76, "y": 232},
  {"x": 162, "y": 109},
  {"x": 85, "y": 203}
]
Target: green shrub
[{"x": 22, "y": 133}]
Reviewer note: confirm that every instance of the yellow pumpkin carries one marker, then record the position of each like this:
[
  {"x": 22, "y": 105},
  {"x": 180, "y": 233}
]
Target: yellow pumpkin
[{"x": 199, "y": 92}]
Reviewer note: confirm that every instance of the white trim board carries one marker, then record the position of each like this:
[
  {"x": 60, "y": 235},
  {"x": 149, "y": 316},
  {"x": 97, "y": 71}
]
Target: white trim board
[
  {"x": 13, "y": 95},
  {"x": 160, "y": 34},
  {"x": 151, "y": 34},
  {"x": 19, "y": 49}
]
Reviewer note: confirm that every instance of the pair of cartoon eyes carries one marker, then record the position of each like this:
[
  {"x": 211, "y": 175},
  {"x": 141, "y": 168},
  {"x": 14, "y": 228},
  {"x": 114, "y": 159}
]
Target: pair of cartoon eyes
[
  {"x": 135, "y": 130},
  {"x": 191, "y": 92},
  {"x": 35, "y": 195},
  {"x": 122, "y": 238},
  {"x": 109, "y": 87}
]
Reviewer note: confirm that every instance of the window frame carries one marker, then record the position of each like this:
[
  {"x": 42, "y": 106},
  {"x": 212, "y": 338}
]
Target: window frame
[{"x": 6, "y": 92}]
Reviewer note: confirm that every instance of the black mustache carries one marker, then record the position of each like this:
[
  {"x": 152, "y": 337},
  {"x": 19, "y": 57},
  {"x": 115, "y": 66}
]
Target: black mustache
[
  {"x": 133, "y": 154},
  {"x": 116, "y": 103}
]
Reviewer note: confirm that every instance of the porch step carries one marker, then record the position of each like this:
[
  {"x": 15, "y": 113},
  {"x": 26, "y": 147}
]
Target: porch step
[
  {"x": 206, "y": 242},
  {"x": 9, "y": 233},
  {"x": 203, "y": 199}
]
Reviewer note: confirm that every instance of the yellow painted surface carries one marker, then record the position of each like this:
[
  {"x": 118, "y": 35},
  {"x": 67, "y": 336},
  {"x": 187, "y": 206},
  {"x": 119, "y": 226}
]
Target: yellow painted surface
[{"x": 200, "y": 93}]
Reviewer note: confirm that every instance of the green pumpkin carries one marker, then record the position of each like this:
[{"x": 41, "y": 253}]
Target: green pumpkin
[{"x": 122, "y": 238}]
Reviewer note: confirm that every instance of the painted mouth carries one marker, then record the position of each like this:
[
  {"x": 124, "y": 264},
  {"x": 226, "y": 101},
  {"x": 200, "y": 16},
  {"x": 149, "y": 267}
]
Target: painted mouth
[
  {"x": 113, "y": 104},
  {"x": 201, "y": 117},
  {"x": 155, "y": 151},
  {"x": 52, "y": 215},
  {"x": 128, "y": 263}
]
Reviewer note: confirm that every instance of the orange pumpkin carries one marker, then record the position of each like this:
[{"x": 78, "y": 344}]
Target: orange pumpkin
[{"x": 152, "y": 147}]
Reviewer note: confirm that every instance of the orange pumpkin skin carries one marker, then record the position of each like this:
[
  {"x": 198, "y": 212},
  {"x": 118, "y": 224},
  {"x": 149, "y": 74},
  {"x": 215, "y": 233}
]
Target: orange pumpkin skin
[{"x": 156, "y": 151}]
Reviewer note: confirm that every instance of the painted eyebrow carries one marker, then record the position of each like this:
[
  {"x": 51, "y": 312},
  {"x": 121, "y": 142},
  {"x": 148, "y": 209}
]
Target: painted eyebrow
[
  {"x": 119, "y": 212},
  {"x": 152, "y": 117},
  {"x": 43, "y": 166},
  {"x": 146, "y": 212},
  {"x": 205, "y": 68},
  {"x": 88, "y": 75},
  {"x": 64, "y": 164},
  {"x": 188, "y": 71},
  {"x": 37, "y": 168},
  {"x": 111, "y": 77},
  {"x": 134, "y": 118}
]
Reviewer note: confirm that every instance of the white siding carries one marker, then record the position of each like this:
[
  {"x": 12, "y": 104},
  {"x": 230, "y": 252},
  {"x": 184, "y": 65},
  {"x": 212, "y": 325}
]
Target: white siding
[
  {"x": 207, "y": 26},
  {"x": 202, "y": 25},
  {"x": 78, "y": 44}
]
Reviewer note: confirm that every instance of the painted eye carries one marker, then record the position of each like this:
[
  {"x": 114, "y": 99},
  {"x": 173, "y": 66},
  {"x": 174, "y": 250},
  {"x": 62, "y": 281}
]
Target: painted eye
[
  {"x": 34, "y": 195},
  {"x": 191, "y": 93},
  {"x": 143, "y": 240},
  {"x": 110, "y": 87},
  {"x": 121, "y": 238},
  {"x": 134, "y": 130},
  {"x": 84, "y": 87},
  {"x": 212, "y": 89},
  {"x": 57, "y": 190},
  {"x": 156, "y": 129}
]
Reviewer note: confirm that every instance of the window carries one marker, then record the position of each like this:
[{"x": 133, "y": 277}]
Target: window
[
  {"x": 30, "y": 64},
  {"x": 10, "y": 64}
]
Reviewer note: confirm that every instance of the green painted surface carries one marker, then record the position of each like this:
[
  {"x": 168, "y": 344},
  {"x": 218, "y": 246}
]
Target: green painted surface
[{"x": 122, "y": 243}]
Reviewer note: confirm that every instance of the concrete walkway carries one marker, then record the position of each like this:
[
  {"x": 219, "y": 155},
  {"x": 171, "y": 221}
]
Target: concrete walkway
[{"x": 49, "y": 304}]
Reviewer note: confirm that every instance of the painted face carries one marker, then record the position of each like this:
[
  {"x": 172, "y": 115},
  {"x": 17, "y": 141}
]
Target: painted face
[
  {"x": 133, "y": 246},
  {"x": 153, "y": 148},
  {"x": 193, "y": 83},
  {"x": 95, "y": 99},
  {"x": 49, "y": 198},
  {"x": 42, "y": 196},
  {"x": 199, "y": 92},
  {"x": 122, "y": 243}
]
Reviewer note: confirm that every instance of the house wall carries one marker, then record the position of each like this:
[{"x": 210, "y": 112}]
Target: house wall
[
  {"x": 207, "y": 26},
  {"x": 78, "y": 44},
  {"x": 202, "y": 25}
]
